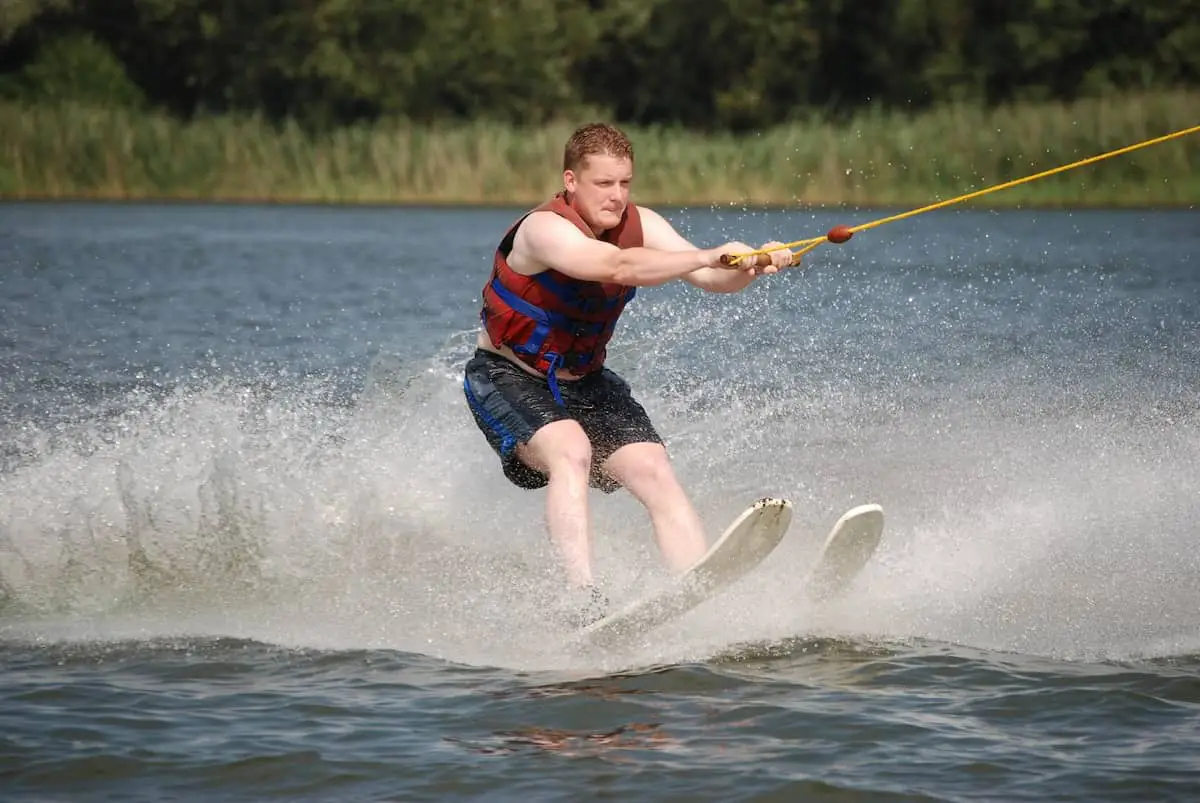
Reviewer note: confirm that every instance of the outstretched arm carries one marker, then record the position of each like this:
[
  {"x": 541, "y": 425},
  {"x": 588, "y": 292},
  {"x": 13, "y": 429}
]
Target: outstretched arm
[
  {"x": 659, "y": 233},
  {"x": 547, "y": 241}
]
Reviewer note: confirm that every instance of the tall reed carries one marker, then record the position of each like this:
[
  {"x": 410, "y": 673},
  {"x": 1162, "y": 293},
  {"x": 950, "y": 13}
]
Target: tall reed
[{"x": 876, "y": 158}]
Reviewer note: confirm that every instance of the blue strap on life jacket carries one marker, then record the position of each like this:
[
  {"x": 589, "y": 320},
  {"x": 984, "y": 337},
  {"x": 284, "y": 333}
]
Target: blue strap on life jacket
[
  {"x": 546, "y": 320},
  {"x": 569, "y": 293},
  {"x": 556, "y": 361}
]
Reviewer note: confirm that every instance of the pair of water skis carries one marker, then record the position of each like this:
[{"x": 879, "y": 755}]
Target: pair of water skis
[{"x": 743, "y": 546}]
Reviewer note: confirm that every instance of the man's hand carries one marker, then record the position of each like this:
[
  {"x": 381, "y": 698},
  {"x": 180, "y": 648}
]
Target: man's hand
[
  {"x": 715, "y": 257},
  {"x": 780, "y": 257}
]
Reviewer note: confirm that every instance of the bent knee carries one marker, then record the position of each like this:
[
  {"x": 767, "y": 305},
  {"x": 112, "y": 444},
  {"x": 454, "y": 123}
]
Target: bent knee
[
  {"x": 561, "y": 447},
  {"x": 641, "y": 465}
]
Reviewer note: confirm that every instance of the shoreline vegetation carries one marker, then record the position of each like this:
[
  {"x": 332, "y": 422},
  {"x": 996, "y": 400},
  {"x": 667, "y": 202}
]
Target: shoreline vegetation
[{"x": 74, "y": 152}]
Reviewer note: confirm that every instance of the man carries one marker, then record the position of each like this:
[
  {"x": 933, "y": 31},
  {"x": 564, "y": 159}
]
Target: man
[{"x": 537, "y": 385}]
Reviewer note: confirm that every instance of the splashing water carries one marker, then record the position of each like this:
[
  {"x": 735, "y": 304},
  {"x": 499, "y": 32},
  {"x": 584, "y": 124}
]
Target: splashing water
[{"x": 1034, "y": 503}]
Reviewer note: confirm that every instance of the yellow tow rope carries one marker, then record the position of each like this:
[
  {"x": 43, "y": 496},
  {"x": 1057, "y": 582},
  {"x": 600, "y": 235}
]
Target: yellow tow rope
[{"x": 840, "y": 234}]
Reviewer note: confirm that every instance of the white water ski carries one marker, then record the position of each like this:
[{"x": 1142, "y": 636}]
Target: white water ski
[
  {"x": 744, "y": 545},
  {"x": 847, "y": 548}
]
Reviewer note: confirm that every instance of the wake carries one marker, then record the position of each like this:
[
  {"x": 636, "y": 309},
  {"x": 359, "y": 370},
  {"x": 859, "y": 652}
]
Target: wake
[{"x": 291, "y": 514}]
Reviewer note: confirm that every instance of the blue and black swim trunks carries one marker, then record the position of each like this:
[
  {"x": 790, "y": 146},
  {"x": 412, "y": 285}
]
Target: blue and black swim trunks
[{"x": 510, "y": 404}]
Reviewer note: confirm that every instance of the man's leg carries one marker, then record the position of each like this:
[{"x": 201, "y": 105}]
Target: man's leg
[
  {"x": 563, "y": 453},
  {"x": 645, "y": 471},
  {"x": 516, "y": 411}
]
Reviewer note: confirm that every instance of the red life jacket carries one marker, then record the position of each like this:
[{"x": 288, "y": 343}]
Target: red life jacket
[{"x": 551, "y": 320}]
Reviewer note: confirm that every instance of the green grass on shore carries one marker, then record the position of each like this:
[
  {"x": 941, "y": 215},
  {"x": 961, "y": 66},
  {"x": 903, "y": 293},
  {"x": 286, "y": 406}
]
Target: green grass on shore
[{"x": 878, "y": 158}]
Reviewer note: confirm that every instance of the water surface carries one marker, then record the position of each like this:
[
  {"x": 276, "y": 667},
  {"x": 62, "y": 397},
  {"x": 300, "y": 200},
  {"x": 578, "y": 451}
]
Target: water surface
[{"x": 252, "y": 547}]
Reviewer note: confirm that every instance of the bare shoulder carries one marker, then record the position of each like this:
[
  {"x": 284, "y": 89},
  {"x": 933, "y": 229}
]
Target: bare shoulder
[
  {"x": 538, "y": 238},
  {"x": 657, "y": 232}
]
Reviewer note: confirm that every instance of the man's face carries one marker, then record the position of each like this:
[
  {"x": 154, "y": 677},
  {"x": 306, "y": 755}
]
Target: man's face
[{"x": 600, "y": 189}]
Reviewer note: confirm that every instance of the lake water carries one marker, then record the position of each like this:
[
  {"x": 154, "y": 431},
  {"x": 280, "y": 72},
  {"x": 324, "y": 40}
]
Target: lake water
[{"x": 252, "y": 546}]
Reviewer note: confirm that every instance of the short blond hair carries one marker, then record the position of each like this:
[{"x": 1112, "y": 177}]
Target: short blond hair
[{"x": 596, "y": 138}]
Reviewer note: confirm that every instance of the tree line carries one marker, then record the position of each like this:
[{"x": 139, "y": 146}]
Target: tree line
[{"x": 718, "y": 65}]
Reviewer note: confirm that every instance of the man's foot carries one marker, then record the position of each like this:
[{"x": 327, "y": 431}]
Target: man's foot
[{"x": 585, "y": 606}]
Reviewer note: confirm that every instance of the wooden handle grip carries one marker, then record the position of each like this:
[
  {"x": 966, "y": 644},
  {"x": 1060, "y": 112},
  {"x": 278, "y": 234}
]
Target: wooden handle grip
[{"x": 760, "y": 260}]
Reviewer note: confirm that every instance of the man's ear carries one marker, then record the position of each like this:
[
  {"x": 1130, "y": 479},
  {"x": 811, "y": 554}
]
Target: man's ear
[{"x": 569, "y": 180}]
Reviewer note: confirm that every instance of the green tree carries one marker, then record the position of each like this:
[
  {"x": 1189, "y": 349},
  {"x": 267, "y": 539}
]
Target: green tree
[
  {"x": 74, "y": 67},
  {"x": 16, "y": 14},
  {"x": 712, "y": 64}
]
